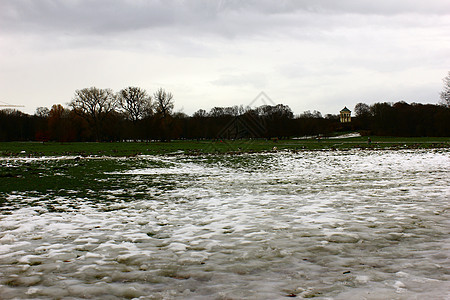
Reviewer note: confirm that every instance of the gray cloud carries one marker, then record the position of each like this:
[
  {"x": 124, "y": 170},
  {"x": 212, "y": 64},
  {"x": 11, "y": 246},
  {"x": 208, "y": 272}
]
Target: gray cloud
[
  {"x": 222, "y": 17},
  {"x": 306, "y": 52}
]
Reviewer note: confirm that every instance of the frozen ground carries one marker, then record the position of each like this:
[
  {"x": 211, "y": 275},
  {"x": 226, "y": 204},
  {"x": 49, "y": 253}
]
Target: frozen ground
[{"x": 329, "y": 225}]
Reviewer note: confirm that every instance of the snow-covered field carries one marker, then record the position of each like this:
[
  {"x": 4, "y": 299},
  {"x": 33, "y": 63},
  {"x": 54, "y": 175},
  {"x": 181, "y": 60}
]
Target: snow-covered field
[{"x": 329, "y": 225}]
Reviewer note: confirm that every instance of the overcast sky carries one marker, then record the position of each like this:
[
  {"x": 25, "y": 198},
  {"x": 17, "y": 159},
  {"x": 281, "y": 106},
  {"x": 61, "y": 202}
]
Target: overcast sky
[{"x": 309, "y": 54}]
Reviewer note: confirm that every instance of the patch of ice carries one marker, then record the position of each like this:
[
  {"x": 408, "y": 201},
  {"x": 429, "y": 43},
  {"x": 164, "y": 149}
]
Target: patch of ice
[
  {"x": 346, "y": 136},
  {"x": 362, "y": 278},
  {"x": 177, "y": 247},
  {"x": 32, "y": 290},
  {"x": 399, "y": 286},
  {"x": 7, "y": 239}
]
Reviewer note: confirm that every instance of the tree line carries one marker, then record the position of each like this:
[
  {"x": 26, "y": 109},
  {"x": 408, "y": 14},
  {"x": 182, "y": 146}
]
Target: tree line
[{"x": 132, "y": 114}]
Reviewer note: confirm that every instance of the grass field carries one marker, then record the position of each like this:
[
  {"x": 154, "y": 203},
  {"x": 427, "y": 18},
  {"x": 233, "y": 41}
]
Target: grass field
[{"x": 36, "y": 149}]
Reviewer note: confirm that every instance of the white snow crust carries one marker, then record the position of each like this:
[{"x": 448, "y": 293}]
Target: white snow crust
[{"x": 323, "y": 224}]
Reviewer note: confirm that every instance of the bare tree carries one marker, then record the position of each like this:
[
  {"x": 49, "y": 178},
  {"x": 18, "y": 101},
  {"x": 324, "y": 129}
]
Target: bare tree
[
  {"x": 445, "y": 94},
  {"x": 42, "y": 112},
  {"x": 362, "y": 110},
  {"x": 94, "y": 105},
  {"x": 57, "y": 123},
  {"x": 163, "y": 102},
  {"x": 201, "y": 113},
  {"x": 135, "y": 102}
]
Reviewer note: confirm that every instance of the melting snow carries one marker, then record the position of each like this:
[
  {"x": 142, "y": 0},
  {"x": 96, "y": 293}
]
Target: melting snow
[{"x": 330, "y": 225}]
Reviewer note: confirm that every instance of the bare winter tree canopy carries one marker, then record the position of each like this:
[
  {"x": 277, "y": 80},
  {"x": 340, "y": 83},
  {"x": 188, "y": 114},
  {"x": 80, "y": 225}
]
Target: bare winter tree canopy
[
  {"x": 42, "y": 112},
  {"x": 163, "y": 102},
  {"x": 362, "y": 109},
  {"x": 445, "y": 94},
  {"x": 94, "y": 103},
  {"x": 135, "y": 102}
]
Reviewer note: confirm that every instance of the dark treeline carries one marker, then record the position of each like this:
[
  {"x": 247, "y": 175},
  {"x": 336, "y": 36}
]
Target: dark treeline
[
  {"x": 402, "y": 119},
  {"x": 133, "y": 115}
]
